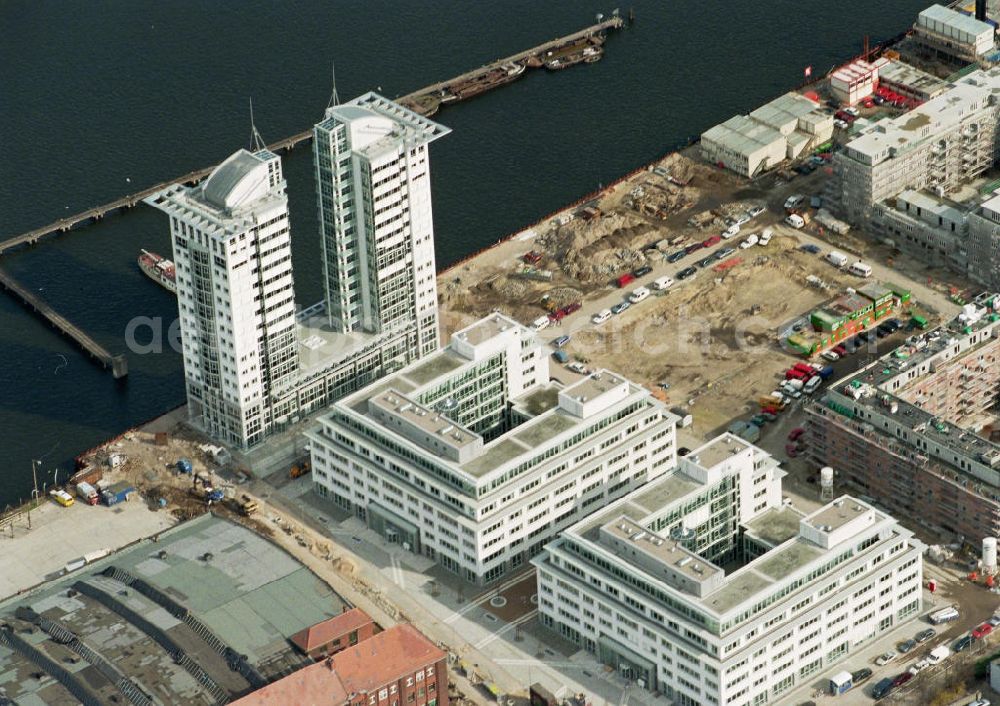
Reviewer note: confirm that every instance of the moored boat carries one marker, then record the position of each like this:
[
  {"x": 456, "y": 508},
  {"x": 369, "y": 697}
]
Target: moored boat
[{"x": 159, "y": 269}]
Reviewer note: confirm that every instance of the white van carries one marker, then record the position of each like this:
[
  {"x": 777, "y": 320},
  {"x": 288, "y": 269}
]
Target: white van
[
  {"x": 638, "y": 295},
  {"x": 540, "y": 323},
  {"x": 765, "y": 237},
  {"x": 732, "y": 230},
  {"x": 837, "y": 259},
  {"x": 811, "y": 385},
  {"x": 750, "y": 241},
  {"x": 795, "y": 220},
  {"x": 860, "y": 269},
  {"x": 661, "y": 283},
  {"x": 601, "y": 316}
]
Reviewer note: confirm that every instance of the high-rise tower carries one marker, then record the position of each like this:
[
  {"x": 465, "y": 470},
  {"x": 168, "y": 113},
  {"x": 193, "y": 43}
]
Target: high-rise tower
[
  {"x": 374, "y": 196},
  {"x": 232, "y": 248}
]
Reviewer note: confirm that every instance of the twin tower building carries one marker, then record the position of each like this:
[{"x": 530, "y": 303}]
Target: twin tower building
[{"x": 253, "y": 362}]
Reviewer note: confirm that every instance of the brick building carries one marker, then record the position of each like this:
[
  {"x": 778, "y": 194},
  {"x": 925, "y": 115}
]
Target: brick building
[
  {"x": 396, "y": 667},
  {"x": 335, "y": 634},
  {"x": 913, "y": 429}
]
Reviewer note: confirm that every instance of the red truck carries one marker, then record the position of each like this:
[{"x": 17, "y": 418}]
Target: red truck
[
  {"x": 793, "y": 374},
  {"x": 625, "y": 280},
  {"x": 804, "y": 368}
]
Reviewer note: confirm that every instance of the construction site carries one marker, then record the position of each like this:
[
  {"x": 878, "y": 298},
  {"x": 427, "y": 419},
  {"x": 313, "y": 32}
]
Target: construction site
[{"x": 708, "y": 340}]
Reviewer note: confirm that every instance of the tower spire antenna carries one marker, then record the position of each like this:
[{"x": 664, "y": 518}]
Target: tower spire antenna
[
  {"x": 334, "y": 97},
  {"x": 256, "y": 141}
]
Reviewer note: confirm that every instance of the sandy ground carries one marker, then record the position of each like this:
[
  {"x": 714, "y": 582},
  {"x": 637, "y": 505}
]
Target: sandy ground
[{"x": 714, "y": 338}]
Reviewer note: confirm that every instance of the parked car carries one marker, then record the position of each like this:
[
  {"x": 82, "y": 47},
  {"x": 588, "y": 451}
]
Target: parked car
[
  {"x": 906, "y": 646},
  {"x": 902, "y": 678},
  {"x": 731, "y": 231},
  {"x": 693, "y": 247},
  {"x": 795, "y": 220},
  {"x": 840, "y": 350},
  {"x": 882, "y": 688},
  {"x": 792, "y": 450},
  {"x": 561, "y": 341},
  {"x": 830, "y": 355},
  {"x": 742, "y": 220},
  {"x": 723, "y": 252},
  {"x": 687, "y": 272},
  {"x": 705, "y": 261},
  {"x": 925, "y": 635},
  {"x": 994, "y": 621},
  {"x": 810, "y": 248},
  {"x": 577, "y": 367},
  {"x": 620, "y": 307},
  {"x": 749, "y": 241},
  {"x": 794, "y": 200},
  {"x": 982, "y": 631},
  {"x": 765, "y": 237},
  {"x": 755, "y": 211},
  {"x": 601, "y": 316},
  {"x": 643, "y": 271},
  {"x": 851, "y": 110},
  {"x": 795, "y": 433},
  {"x": 677, "y": 256},
  {"x": 979, "y": 702},
  {"x": 919, "y": 666},
  {"x": 962, "y": 643},
  {"x": 885, "y": 658},
  {"x": 709, "y": 242},
  {"x": 861, "y": 676}
]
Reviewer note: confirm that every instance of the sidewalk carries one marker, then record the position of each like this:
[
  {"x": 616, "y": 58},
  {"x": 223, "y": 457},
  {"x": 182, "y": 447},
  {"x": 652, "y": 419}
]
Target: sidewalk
[{"x": 499, "y": 640}]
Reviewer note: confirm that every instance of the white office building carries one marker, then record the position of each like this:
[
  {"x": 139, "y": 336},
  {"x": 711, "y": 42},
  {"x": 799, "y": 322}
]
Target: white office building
[
  {"x": 374, "y": 196},
  {"x": 232, "y": 249},
  {"x": 473, "y": 458},
  {"x": 702, "y": 586}
]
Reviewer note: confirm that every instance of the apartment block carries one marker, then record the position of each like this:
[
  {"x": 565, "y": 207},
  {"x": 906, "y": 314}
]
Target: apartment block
[
  {"x": 984, "y": 243},
  {"x": 474, "y": 458},
  {"x": 937, "y": 147},
  {"x": 912, "y": 430},
  {"x": 703, "y": 586}
]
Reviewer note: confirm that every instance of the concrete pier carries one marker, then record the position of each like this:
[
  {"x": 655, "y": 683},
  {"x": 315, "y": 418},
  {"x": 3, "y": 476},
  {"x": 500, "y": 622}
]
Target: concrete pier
[{"x": 117, "y": 363}]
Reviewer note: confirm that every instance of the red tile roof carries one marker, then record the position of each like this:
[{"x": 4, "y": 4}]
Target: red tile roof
[
  {"x": 322, "y": 634},
  {"x": 369, "y": 665},
  {"x": 400, "y": 650},
  {"x": 315, "y": 685}
]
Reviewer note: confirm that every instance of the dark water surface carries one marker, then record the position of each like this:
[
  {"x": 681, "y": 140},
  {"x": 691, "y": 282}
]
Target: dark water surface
[{"x": 101, "y": 99}]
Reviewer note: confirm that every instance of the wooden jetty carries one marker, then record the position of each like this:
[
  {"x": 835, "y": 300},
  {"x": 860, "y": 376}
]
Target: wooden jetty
[{"x": 117, "y": 363}]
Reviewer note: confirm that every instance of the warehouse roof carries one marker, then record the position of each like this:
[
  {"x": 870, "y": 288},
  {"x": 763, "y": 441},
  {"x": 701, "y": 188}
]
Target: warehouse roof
[
  {"x": 743, "y": 135},
  {"x": 953, "y": 19}
]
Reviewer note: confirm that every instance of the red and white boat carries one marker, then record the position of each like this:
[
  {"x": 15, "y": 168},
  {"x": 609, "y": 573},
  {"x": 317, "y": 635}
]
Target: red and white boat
[{"x": 159, "y": 269}]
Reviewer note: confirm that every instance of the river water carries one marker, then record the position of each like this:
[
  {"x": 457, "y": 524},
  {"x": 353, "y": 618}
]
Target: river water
[{"x": 103, "y": 99}]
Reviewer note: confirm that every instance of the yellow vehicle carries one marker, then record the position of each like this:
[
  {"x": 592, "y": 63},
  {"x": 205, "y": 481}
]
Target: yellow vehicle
[{"x": 61, "y": 497}]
